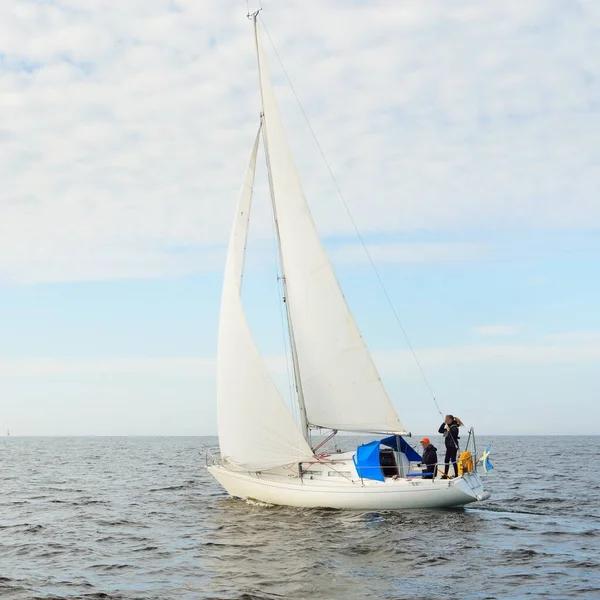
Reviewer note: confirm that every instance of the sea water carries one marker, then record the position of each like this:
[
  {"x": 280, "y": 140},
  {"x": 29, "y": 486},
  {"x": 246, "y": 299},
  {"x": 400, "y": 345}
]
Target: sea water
[{"x": 125, "y": 518}]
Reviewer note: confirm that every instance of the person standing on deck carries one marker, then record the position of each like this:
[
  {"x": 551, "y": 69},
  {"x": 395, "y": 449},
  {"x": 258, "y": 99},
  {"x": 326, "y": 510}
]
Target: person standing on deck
[{"x": 451, "y": 436}]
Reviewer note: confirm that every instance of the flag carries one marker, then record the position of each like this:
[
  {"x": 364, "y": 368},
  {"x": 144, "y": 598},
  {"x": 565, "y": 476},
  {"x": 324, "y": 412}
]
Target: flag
[{"x": 487, "y": 465}]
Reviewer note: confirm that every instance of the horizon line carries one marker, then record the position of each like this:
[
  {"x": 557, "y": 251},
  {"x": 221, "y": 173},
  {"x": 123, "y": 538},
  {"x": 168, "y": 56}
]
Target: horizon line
[{"x": 166, "y": 435}]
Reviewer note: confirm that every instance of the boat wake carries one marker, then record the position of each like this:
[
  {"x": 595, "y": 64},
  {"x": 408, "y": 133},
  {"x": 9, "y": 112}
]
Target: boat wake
[{"x": 254, "y": 502}]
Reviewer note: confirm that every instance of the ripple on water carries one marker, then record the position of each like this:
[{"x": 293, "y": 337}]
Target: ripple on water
[{"x": 133, "y": 518}]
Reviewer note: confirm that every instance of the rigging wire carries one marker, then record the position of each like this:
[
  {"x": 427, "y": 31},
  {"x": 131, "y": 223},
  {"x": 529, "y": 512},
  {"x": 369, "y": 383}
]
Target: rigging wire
[
  {"x": 349, "y": 212},
  {"x": 280, "y": 294}
]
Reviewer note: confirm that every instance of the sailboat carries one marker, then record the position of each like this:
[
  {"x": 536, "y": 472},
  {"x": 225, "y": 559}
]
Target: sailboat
[{"x": 265, "y": 455}]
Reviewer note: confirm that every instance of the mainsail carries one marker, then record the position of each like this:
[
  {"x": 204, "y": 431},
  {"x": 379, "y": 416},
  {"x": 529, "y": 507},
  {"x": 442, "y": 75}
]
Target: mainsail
[
  {"x": 256, "y": 430},
  {"x": 341, "y": 386}
]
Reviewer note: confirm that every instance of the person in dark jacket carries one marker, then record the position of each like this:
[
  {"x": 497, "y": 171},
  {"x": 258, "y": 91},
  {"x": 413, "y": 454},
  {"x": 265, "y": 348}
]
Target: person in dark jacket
[
  {"x": 451, "y": 436},
  {"x": 429, "y": 459}
]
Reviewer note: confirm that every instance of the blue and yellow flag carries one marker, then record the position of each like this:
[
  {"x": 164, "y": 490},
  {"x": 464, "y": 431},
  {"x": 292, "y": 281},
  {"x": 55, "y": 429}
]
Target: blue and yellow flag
[{"x": 487, "y": 465}]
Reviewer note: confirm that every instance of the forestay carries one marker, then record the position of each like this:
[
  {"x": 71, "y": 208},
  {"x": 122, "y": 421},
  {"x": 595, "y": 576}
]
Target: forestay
[
  {"x": 256, "y": 430},
  {"x": 342, "y": 388}
]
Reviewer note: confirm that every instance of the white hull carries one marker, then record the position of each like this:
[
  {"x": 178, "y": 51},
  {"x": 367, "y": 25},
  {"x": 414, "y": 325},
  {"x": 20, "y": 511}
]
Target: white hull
[{"x": 345, "y": 494}]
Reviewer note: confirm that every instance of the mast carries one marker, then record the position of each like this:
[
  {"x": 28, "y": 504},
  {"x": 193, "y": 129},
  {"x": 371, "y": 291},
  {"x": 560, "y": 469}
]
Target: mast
[{"x": 297, "y": 379}]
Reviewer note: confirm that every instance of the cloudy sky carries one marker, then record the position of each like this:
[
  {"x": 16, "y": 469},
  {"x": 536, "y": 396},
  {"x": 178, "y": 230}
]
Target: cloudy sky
[{"x": 464, "y": 135}]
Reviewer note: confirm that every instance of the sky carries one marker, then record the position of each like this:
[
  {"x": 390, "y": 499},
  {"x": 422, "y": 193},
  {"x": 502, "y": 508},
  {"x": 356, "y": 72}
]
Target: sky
[{"x": 464, "y": 136}]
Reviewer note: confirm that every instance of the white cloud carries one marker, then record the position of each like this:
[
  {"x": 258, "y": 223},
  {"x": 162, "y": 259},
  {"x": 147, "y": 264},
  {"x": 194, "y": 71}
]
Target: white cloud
[
  {"x": 499, "y": 354},
  {"x": 566, "y": 347},
  {"x": 47, "y": 367},
  {"x": 496, "y": 330},
  {"x": 126, "y": 127},
  {"x": 579, "y": 338},
  {"x": 393, "y": 253},
  {"x": 481, "y": 383}
]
